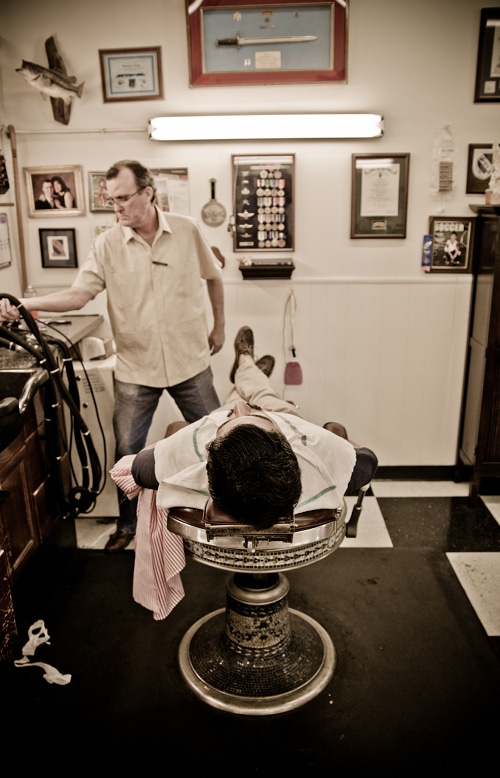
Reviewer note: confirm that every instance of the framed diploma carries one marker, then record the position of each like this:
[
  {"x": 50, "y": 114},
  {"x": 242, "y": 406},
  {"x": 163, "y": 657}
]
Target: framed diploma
[
  {"x": 379, "y": 195},
  {"x": 263, "y": 188},
  {"x": 131, "y": 74},
  {"x": 488, "y": 58},
  {"x": 281, "y": 43},
  {"x": 452, "y": 241}
]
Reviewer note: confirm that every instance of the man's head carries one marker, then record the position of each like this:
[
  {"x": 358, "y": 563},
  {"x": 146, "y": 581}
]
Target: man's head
[
  {"x": 48, "y": 189},
  {"x": 253, "y": 473},
  {"x": 132, "y": 189}
]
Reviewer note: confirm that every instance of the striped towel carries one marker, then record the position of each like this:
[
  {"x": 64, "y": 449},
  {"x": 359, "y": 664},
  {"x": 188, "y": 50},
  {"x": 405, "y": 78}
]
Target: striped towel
[{"x": 159, "y": 554}]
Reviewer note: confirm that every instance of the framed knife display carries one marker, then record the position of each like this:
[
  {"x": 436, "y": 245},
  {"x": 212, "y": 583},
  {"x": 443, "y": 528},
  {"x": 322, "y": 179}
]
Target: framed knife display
[
  {"x": 263, "y": 188},
  {"x": 281, "y": 43}
]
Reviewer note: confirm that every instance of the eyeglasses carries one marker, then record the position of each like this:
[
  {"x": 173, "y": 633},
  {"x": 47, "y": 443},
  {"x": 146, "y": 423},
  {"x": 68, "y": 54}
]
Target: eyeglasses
[{"x": 122, "y": 199}]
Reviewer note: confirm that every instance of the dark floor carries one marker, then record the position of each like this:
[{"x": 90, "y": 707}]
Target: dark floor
[{"x": 416, "y": 683}]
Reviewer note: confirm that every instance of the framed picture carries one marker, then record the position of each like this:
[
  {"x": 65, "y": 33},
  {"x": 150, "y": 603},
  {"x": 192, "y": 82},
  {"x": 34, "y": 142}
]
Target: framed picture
[
  {"x": 479, "y": 167},
  {"x": 263, "y": 205},
  {"x": 379, "y": 195},
  {"x": 58, "y": 248},
  {"x": 100, "y": 199},
  {"x": 249, "y": 42},
  {"x": 5, "y": 248},
  {"x": 488, "y": 57},
  {"x": 54, "y": 191},
  {"x": 452, "y": 241},
  {"x": 131, "y": 74},
  {"x": 172, "y": 189}
]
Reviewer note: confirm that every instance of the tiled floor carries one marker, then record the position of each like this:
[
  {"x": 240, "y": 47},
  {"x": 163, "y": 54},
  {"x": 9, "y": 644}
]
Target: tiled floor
[{"x": 426, "y": 513}]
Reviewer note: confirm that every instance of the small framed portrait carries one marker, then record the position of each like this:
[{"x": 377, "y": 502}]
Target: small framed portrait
[
  {"x": 55, "y": 191},
  {"x": 131, "y": 74},
  {"x": 488, "y": 57},
  {"x": 100, "y": 199},
  {"x": 58, "y": 248},
  {"x": 452, "y": 242},
  {"x": 479, "y": 167}
]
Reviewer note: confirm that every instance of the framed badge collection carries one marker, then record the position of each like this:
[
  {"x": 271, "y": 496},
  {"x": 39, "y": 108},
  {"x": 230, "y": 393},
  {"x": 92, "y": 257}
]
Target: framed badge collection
[{"x": 263, "y": 207}]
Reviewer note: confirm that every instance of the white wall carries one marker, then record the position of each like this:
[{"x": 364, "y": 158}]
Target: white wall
[{"x": 382, "y": 345}]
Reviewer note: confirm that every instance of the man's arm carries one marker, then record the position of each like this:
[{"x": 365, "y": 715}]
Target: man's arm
[
  {"x": 71, "y": 299},
  {"x": 143, "y": 469},
  {"x": 364, "y": 469},
  {"x": 215, "y": 289}
]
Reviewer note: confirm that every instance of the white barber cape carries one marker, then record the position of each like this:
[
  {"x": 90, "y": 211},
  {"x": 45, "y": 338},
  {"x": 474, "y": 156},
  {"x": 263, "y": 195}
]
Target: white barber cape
[{"x": 326, "y": 462}]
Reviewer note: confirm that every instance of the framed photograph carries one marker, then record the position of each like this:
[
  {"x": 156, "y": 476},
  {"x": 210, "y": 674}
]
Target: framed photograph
[
  {"x": 100, "y": 199},
  {"x": 58, "y": 248},
  {"x": 488, "y": 57},
  {"x": 131, "y": 74},
  {"x": 379, "y": 195},
  {"x": 479, "y": 167},
  {"x": 54, "y": 191},
  {"x": 249, "y": 42},
  {"x": 452, "y": 242},
  {"x": 263, "y": 205}
]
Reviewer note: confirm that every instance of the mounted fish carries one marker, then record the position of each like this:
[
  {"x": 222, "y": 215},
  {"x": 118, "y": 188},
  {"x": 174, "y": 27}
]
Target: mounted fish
[{"x": 53, "y": 81}]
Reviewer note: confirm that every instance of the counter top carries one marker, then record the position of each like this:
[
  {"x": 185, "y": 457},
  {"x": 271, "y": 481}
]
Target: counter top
[{"x": 78, "y": 327}]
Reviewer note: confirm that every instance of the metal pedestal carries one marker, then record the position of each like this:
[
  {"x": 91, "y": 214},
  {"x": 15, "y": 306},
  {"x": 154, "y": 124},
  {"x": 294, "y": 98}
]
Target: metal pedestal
[{"x": 257, "y": 657}]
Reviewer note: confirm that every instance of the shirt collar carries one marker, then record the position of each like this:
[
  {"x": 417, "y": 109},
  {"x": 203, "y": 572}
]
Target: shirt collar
[{"x": 164, "y": 226}]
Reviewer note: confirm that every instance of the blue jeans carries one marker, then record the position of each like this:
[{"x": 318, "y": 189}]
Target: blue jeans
[{"x": 135, "y": 406}]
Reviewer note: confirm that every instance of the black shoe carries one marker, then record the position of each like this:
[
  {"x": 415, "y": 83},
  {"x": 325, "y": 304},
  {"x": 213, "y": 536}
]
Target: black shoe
[
  {"x": 243, "y": 344},
  {"x": 118, "y": 541},
  {"x": 266, "y": 364}
]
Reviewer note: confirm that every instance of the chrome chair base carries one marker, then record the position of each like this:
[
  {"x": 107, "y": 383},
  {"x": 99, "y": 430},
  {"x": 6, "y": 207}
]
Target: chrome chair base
[{"x": 257, "y": 656}]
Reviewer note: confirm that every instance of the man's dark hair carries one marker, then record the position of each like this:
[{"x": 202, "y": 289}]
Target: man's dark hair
[
  {"x": 253, "y": 475},
  {"x": 142, "y": 175}
]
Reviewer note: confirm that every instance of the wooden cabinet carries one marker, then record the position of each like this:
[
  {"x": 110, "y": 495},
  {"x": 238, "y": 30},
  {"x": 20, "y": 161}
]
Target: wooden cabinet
[
  {"x": 480, "y": 434},
  {"x": 30, "y": 487}
]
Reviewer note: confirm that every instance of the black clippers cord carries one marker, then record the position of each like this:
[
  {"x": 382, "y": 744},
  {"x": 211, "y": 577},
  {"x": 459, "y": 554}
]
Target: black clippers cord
[
  {"x": 80, "y": 498},
  {"x": 73, "y": 389}
]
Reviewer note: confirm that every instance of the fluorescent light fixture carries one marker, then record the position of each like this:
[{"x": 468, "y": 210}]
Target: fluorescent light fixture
[{"x": 267, "y": 126}]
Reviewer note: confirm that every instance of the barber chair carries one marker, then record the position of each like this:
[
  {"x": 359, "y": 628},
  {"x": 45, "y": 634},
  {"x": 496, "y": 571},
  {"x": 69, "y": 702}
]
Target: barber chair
[{"x": 257, "y": 656}]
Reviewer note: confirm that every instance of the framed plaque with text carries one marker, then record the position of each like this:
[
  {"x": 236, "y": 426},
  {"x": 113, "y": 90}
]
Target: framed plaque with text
[{"x": 379, "y": 195}]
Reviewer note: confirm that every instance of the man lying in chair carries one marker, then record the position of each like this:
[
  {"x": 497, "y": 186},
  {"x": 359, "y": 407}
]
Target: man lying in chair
[{"x": 255, "y": 457}]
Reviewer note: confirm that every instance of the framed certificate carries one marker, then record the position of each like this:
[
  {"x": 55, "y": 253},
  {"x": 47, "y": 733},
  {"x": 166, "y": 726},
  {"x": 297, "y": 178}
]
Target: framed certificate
[
  {"x": 379, "y": 195},
  {"x": 280, "y": 43},
  {"x": 488, "y": 57},
  {"x": 263, "y": 187},
  {"x": 131, "y": 74}
]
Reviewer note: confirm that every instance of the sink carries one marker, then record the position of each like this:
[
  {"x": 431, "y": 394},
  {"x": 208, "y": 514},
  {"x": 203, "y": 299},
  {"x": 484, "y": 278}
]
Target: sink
[{"x": 17, "y": 389}]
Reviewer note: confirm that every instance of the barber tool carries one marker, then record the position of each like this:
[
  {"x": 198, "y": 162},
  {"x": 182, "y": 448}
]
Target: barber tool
[
  {"x": 293, "y": 370},
  {"x": 213, "y": 213}
]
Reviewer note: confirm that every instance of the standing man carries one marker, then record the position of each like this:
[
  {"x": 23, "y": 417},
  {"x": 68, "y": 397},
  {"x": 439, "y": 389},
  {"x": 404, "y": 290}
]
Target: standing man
[{"x": 151, "y": 265}]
